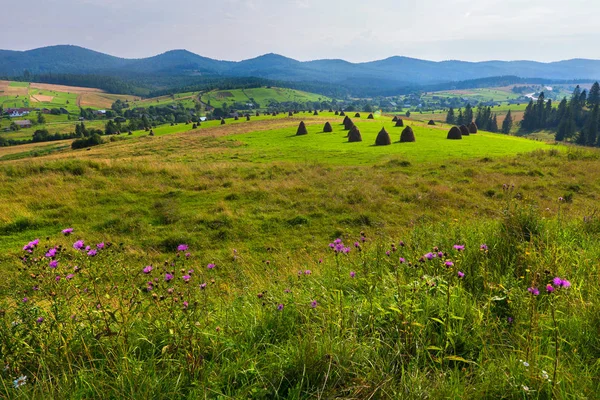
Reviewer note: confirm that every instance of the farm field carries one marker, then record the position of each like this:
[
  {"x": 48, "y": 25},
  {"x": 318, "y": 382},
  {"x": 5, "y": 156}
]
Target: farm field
[
  {"x": 258, "y": 304},
  {"x": 262, "y": 96}
]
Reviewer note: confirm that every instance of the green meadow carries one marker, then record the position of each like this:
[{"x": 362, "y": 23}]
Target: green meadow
[
  {"x": 263, "y": 301},
  {"x": 262, "y": 96}
]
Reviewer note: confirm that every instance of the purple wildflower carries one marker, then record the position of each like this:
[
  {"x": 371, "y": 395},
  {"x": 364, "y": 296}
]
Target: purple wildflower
[
  {"x": 78, "y": 245},
  {"x": 67, "y": 231},
  {"x": 565, "y": 284},
  {"x": 307, "y": 272},
  {"x": 356, "y": 244},
  {"x": 352, "y": 274},
  {"x": 483, "y": 247},
  {"x": 549, "y": 288},
  {"x": 313, "y": 304},
  {"x": 430, "y": 256},
  {"x": 440, "y": 254},
  {"x": 401, "y": 260},
  {"x": 182, "y": 247},
  {"x": 51, "y": 252},
  {"x": 185, "y": 304},
  {"x": 57, "y": 279},
  {"x": 25, "y": 299},
  {"x": 557, "y": 281},
  {"x": 387, "y": 253},
  {"x": 210, "y": 266},
  {"x": 186, "y": 278},
  {"x": 190, "y": 271},
  {"x": 100, "y": 246},
  {"x": 40, "y": 320},
  {"x": 147, "y": 269},
  {"x": 459, "y": 247},
  {"x": 287, "y": 291},
  {"x": 87, "y": 248},
  {"x": 168, "y": 277},
  {"x": 534, "y": 291},
  {"x": 92, "y": 253},
  {"x": 188, "y": 255},
  {"x": 461, "y": 274},
  {"x": 69, "y": 277},
  {"x": 203, "y": 286},
  {"x": 510, "y": 320},
  {"x": 53, "y": 264},
  {"x": 280, "y": 307}
]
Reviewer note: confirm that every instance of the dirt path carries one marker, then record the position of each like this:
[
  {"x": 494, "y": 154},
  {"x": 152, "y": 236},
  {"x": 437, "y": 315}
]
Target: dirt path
[{"x": 79, "y": 96}]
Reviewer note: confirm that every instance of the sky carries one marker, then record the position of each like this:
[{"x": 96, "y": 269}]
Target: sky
[{"x": 357, "y": 31}]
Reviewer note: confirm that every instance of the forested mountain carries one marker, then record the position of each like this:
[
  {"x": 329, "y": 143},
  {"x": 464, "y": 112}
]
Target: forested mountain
[{"x": 397, "y": 71}]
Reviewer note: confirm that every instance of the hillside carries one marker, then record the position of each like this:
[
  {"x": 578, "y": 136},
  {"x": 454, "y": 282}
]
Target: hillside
[{"x": 391, "y": 72}]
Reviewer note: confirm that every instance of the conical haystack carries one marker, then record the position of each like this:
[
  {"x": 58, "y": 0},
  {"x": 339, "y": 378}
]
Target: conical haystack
[
  {"x": 337, "y": 113},
  {"x": 407, "y": 135},
  {"x": 473, "y": 127},
  {"x": 357, "y": 115},
  {"x": 290, "y": 114},
  {"x": 257, "y": 114},
  {"x": 354, "y": 135},
  {"x": 431, "y": 122},
  {"x": 399, "y": 122},
  {"x": 464, "y": 130},
  {"x": 394, "y": 119},
  {"x": 342, "y": 114},
  {"x": 370, "y": 116},
  {"x": 236, "y": 118},
  {"x": 222, "y": 121},
  {"x": 383, "y": 138},
  {"x": 327, "y": 128},
  {"x": 348, "y": 124},
  {"x": 316, "y": 112},
  {"x": 454, "y": 133},
  {"x": 247, "y": 118},
  {"x": 330, "y": 110},
  {"x": 301, "y": 129}
]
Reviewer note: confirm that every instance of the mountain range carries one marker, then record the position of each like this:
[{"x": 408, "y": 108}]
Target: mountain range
[{"x": 394, "y": 71}]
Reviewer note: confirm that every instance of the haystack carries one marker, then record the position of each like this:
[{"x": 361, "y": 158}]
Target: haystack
[
  {"x": 342, "y": 114},
  {"x": 348, "y": 124},
  {"x": 290, "y": 114},
  {"x": 357, "y": 115},
  {"x": 247, "y": 118},
  {"x": 151, "y": 132},
  {"x": 236, "y": 118},
  {"x": 327, "y": 128},
  {"x": 257, "y": 114},
  {"x": 431, "y": 122},
  {"x": 473, "y": 127},
  {"x": 394, "y": 119},
  {"x": 407, "y": 135},
  {"x": 301, "y": 129},
  {"x": 316, "y": 112},
  {"x": 399, "y": 122},
  {"x": 330, "y": 110},
  {"x": 370, "y": 116},
  {"x": 354, "y": 135},
  {"x": 194, "y": 126},
  {"x": 454, "y": 133},
  {"x": 222, "y": 121},
  {"x": 464, "y": 130},
  {"x": 337, "y": 113},
  {"x": 383, "y": 138}
]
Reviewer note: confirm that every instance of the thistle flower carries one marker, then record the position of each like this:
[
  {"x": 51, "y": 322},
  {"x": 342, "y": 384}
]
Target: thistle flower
[
  {"x": 459, "y": 247},
  {"x": 557, "y": 281},
  {"x": 483, "y": 247},
  {"x": 92, "y": 253},
  {"x": 549, "y": 288},
  {"x": 352, "y": 274},
  {"x": 203, "y": 286},
  {"x": 182, "y": 247},
  {"x": 100, "y": 246},
  {"x": 185, "y": 304},
  {"x": 401, "y": 260},
  {"x": 69, "y": 277},
  {"x": 461, "y": 274},
  {"x": 78, "y": 245},
  {"x": 565, "y": 284},
  {"x": 53, "y": 264},
  {"x": 313, "y": 304},
  {"x": 67, "y": 231},
  {"x": 210, "y": 266},
  {"x": 449, "y": 264},
  {"x": 168, "y": 277},
  {"x": 186, "y": 278},
  {"x": 430, "y": 256},
  {"x": 147, "y": 269},
  {"x": 40, "y": 320},
  {"x": 307, "y": 272},
  {"x": 57, "y": 279},
  {"x": 534, "y": 291},
  {"x": 51, "y": 253},
  {"x": 25, "y": 299},
  {"x": 280, "y": 307}
]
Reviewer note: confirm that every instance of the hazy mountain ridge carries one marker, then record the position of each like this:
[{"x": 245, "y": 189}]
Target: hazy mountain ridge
[{"x": 78, "y": 60}]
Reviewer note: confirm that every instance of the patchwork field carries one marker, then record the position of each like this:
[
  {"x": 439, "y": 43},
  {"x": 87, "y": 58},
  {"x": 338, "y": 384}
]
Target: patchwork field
[
  {"x": 262, "y": 96},
  {"x": 243, "y": 261}
]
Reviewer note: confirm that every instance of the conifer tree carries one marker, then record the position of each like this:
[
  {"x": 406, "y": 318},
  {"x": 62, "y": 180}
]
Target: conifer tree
[
  {"x": 450, "y": 117},
  {"x": 507, "y": 123},
  {"x": 594, "y": 96}
]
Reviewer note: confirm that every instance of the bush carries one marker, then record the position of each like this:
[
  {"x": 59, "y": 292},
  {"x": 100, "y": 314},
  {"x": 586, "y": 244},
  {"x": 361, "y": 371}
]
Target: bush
[{"x": 93, "y": 140}]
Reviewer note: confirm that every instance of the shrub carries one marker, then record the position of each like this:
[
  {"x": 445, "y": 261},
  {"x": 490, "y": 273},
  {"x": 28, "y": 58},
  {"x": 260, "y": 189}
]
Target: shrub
[{"x": 93, "y": 140}]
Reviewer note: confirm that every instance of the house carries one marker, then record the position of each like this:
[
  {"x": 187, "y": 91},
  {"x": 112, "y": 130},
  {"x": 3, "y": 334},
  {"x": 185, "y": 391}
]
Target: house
[
  {"x": 100, "y": 112},
  {"x": 23, "y": 124},
  {"x": 17, "y": 112}
]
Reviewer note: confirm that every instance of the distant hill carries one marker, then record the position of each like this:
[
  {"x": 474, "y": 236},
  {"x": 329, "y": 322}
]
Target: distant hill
[{"x": 393, "y": 72}]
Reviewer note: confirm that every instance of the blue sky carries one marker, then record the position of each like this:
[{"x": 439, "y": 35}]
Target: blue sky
[{"x": 542, "y": 30}]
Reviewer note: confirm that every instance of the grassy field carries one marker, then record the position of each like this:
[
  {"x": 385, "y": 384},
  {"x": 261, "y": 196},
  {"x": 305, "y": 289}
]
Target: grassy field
[
  {"x": 262, "y": 96},
  {"x": 263, "y": 306}
]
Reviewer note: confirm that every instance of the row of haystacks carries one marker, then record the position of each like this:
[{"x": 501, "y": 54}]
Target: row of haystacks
[
  {"x": 457, "y": 132},
  {"x": 383, "y": 138}
]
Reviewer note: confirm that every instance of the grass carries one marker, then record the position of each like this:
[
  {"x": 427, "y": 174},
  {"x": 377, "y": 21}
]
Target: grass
[
  {"x": 393, "y": 330},
  {"x": 262, "y": 96}
]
